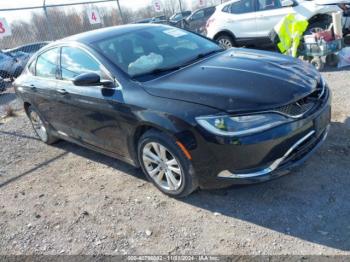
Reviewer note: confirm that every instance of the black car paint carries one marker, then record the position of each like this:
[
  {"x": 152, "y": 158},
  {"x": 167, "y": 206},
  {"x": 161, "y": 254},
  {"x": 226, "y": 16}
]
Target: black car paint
[
  {"x": 236, "y": 81},
  {"x": 239, "y": 81}
]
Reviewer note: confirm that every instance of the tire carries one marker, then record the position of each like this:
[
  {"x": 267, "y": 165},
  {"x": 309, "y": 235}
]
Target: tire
[
  {"x": 317, "y": 63},
  {"x": 332, "y": 60},
  {"x": 163, "y": 175},
  {"x": 225, "y": 41},
  {"x": 41, "y": 129}
]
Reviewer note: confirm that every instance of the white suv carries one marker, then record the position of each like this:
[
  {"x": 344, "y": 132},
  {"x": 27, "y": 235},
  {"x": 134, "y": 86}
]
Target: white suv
[{"x": 249, "y": 22}]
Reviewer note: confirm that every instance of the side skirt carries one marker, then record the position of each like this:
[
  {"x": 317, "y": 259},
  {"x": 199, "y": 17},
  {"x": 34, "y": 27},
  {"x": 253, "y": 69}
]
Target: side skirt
[{"x": 96, "y": 149}]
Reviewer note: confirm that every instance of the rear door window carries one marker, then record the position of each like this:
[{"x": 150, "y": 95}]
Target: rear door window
[
  {"x": 198, "y": 15},
  {"x": 46, "y": 65},
  {"x": 242, "y": 7},
  {"x": 268, "y": 4}
]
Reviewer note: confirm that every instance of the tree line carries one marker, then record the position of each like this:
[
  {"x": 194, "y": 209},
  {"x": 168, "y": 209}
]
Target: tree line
[{"x": 60, "y": 22}]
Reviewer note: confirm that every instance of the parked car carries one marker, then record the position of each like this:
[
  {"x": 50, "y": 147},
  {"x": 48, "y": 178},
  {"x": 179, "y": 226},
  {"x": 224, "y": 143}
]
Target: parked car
[
  {"x": 160, "y": 19},
  {"x": 2, "y": 85},
  {"x": 344, "y": 5},
  {"x": 144, "y": 21},
  {"x": 197, "y": 20},
  {"x": 14, "y": 60},
  {"x": 155, "y": 20},
  {"x": 249, "y": 22},
  {"x": 29, "y": 48},
  {"x": 176, "y": 104},
  {"x": 10, "y": 67},
  {"x": 178, "y": 17}
]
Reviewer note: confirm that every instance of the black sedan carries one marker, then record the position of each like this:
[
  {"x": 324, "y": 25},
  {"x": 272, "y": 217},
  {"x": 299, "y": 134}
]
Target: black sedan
[{"x": 175, "y": 104}]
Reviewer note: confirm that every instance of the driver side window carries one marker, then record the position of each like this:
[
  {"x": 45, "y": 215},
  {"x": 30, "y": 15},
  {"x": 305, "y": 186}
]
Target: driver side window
[
  {"x": 75, "y": 61},
  {"x": 242, "y": 7},
  {"x": 264, "y": 5},
  {"x": 198, "y": 15}
]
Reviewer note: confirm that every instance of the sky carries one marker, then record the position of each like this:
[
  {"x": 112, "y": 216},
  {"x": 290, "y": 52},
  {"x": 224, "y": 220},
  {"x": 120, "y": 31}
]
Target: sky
[
  {"x": 26, "y": 3},
  {"x": 134, "y": 4}
]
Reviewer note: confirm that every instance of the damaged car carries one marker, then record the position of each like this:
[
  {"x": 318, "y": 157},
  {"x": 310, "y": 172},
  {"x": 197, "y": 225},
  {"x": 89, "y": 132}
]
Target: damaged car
[
  {"x": 249, "y": 22},
  {"x": 187, "y": 112}
]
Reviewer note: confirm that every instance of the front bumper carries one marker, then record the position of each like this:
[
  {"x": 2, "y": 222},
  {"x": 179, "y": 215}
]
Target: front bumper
[
  {"x": 264, "y": 156},
  {"x": 293, "y": 157}
]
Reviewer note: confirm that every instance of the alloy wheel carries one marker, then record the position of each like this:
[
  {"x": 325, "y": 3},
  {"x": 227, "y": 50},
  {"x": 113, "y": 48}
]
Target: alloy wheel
[
  {"x": 225, "y": 43},
  {"x": 38, "y": 126},
  {"x": 162, "y": 166}
]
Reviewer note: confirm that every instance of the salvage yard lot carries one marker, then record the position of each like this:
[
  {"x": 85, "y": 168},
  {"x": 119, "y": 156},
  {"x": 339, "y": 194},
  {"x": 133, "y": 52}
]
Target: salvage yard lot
[{"x": 64, "y": 199}]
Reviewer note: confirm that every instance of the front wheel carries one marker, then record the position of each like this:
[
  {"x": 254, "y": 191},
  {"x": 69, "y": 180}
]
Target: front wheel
[
  {"x": 40, "y": 128},
  {"x": 317, "y": 63},
  {"x": 166, "y": 165},
  {"x": 225, "y": 41}
]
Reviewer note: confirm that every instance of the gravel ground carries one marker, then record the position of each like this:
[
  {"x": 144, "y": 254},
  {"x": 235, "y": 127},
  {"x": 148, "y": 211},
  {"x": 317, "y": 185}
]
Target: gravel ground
[{"x": 65, "y": 199}]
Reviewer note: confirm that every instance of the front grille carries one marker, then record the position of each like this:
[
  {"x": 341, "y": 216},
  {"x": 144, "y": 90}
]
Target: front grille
[
  {"x": 304, "y": 105},
  {"x": 296, "y": 109}
]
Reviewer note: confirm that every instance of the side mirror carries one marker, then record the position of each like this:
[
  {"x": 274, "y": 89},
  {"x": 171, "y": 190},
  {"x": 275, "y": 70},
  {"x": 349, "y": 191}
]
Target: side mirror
[
  {"x": 287, "y": 3},
  {"x": 91, "y": 79}
]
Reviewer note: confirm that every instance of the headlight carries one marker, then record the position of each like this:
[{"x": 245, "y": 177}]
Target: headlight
[{"x": 241, "y": 125}]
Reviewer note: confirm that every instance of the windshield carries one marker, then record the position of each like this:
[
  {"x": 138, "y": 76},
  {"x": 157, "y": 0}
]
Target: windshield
[{"x": 154, "y": 49}]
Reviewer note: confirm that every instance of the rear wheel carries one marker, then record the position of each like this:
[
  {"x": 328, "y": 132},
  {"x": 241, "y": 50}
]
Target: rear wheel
[
  {"x": 41, "y": 129},
  {"x": 317, "y": 63},
  {"x": 332, "y": 60},
  {"x": 165, "y": 164},
  {"x": 225, "y": 41}
]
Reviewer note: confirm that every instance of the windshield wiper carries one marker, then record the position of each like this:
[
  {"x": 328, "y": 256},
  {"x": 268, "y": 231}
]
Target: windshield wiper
[
  {"x": 177, "y": 67},
  {"x": 202, "y": 55},
  {"x": 158, "y": 71},
  {"x": 164, "y": 69}
]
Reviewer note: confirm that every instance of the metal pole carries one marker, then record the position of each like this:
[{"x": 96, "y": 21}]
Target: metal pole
[
  {"x": 180, "y": 6},
  {"x": 48, "y": 21},
  {"x": 120, "y": 12}
]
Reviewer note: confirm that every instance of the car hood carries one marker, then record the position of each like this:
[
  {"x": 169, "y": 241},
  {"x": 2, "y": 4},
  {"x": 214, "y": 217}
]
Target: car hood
[
  {"x": 308, "y": 9},
  {"x": 239, "y": 80}
]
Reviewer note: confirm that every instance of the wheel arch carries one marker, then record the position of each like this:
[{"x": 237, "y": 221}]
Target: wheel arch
[
  {"x": 181, "y": 133},
  {"x": 137, "y": 134},
  {"x": 224, "y": 32},
  {"x": 320, "y": 18},
  {"x": 26, "y": 106}
]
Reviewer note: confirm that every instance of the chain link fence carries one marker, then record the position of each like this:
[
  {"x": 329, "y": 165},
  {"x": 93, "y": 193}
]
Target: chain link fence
[{"x": 30, "y": 28}]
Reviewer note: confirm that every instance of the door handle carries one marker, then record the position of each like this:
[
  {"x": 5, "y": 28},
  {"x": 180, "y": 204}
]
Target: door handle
[{"x": 62, "y": 91}]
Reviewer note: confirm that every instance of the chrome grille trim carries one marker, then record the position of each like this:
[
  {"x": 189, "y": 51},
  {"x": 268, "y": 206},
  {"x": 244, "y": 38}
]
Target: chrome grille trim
[
  {"x": 301, "y": 107},
  {"x": 276, "y": 163}
]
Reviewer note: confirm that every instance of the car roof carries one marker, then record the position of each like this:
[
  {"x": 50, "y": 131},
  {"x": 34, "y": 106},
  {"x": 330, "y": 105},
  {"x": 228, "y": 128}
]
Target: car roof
[
  {"x": 204, "y": 8},
  {"x": 107, "y": 32}
]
